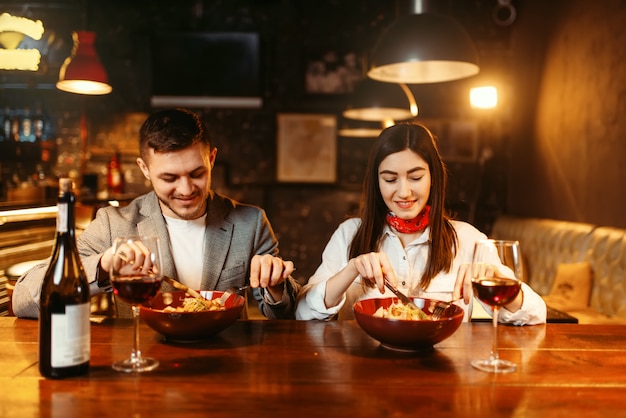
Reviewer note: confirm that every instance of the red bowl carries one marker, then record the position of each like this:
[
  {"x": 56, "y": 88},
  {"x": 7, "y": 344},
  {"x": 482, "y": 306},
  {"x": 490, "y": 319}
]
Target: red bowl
[
  {"x": 407, "y": 334},
  {"x": 189, "y": 326}
]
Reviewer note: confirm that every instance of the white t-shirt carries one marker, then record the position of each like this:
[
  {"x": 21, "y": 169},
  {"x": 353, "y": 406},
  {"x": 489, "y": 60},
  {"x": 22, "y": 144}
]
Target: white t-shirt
[
  {"x": 408, "y": 263},
  {"x": 187, "y": 239}
]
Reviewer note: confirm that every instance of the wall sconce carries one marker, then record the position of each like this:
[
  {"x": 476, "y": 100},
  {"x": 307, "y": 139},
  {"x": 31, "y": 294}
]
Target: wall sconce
[
  {"x": 82, "y": 72},
  {"x": 423, "y": 48},
  {"x": 376, "y": 102},
  {"x": 484, "y": 97}
]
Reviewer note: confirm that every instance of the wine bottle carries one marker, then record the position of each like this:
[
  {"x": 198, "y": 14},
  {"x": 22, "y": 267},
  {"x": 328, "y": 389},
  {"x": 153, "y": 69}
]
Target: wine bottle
[
  {"x": 64, "y": 329},
  {"x": 115, "y": 179}
]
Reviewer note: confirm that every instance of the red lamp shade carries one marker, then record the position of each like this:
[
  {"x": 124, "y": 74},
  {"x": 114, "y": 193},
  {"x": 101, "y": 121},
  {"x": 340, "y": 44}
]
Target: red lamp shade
[{"x": 82, "y": 72}]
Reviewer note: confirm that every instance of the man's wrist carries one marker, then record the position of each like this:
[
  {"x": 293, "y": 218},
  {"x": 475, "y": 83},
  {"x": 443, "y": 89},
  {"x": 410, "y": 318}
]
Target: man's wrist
[
  {"x": 102, "y": 277},
  {"x": 274, "y": 294}
]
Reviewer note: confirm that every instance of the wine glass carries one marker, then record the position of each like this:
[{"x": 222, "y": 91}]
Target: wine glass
[
  {"x": 136, "y": 278},
  {"x": 496, "y": 273}
]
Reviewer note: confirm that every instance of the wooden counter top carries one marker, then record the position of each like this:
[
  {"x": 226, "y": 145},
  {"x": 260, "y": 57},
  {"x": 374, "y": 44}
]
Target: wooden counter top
[{"x": 328, "y": 369}]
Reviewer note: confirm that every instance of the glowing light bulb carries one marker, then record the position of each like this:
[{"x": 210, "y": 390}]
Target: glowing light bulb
[{"x": 484, "y": 97}]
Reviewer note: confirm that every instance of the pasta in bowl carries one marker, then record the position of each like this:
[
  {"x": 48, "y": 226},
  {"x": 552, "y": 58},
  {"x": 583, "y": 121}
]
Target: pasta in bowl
[
  {"x": 398, "y": 326},
  {"x": 180, "y": 317}
]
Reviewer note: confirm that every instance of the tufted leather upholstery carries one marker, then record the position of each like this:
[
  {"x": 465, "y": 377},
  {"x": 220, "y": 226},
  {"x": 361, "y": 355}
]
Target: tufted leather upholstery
[
  {"x": 546, "y": 243},
  {"x": 607, "y": 254}
]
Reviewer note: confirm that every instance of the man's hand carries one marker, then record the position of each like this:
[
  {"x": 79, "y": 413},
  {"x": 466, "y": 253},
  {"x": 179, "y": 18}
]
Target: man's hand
[{"x": 270, "y": 272}]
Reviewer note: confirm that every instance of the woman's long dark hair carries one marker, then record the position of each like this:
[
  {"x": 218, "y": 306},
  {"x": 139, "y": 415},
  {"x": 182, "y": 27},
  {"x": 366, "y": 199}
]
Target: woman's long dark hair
[{"x": 443, "y": 239}]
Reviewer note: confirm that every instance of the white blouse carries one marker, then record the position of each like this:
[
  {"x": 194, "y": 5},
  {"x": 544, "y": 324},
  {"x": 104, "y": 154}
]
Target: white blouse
[{"x": 408, "y": 263}]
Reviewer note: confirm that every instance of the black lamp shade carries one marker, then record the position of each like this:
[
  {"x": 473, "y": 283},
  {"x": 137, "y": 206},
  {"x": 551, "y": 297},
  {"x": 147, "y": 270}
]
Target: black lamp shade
[
  {"x": 423, "y": 48},
  {"x": 352, "y": 128},
  {"x": 376, "y": 101}
]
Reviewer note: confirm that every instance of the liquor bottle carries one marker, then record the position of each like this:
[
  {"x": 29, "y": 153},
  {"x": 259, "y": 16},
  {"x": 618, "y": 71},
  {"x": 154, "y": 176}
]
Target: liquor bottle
[
  {"x": 6, "y": 125},
  {"x": 115, "y": 180},
  {"x": 16, "y": 125},
  {"x": 64, "y": 330},
  {"x": 38, "y": 125},
  {"x": 27, "y": 133}
]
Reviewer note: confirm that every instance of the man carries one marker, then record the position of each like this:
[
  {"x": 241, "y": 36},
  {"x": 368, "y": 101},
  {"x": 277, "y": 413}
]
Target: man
[{"x": 208, "y": 241}]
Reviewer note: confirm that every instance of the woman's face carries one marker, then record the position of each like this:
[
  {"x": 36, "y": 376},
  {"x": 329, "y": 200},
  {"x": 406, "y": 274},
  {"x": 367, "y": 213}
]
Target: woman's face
[{"x": 404, "y": 181}]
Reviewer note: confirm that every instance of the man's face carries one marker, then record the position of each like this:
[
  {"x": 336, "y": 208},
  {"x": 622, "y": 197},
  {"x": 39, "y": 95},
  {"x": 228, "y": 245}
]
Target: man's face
[{"x": 180, "y": 179}]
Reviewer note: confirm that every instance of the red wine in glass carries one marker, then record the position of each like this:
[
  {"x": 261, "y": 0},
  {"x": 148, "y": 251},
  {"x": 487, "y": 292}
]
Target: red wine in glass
[
  {"x": 496, "y": 291},
  {"x": 138, "y": 289},
  {"x": 136, "y": 279},
  {"x": 496, "y": 264}
]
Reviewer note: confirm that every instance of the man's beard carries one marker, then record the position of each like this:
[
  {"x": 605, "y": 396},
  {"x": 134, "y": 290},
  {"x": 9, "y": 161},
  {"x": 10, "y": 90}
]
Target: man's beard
[{"x": 186, "y": 216}]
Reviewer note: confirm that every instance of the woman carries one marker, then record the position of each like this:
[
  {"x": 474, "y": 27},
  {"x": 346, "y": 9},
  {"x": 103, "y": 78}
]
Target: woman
[{"x": 405, "y": 234}]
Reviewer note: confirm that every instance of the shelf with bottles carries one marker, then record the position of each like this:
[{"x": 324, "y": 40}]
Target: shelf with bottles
[
  {"x": 24, "y": 124},
  {"x": 27, "y": 181},
  {"x": 26, "y": 136}
]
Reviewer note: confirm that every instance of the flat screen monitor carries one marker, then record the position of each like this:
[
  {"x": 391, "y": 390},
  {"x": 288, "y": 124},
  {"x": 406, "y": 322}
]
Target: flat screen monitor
[{"x": 206, "y": 69}]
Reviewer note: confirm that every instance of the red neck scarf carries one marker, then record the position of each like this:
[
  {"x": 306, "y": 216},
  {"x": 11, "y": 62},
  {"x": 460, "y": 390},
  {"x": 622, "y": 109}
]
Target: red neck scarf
[{"x": 410, "y": 226}]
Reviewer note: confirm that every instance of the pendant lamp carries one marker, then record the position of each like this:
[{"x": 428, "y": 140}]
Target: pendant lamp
[
  {"x": 376, "y": 102},
  {"x": 351, "y": 128},
  {"x": 82, "y": 72},
  {"x": 423, "y": 47}
]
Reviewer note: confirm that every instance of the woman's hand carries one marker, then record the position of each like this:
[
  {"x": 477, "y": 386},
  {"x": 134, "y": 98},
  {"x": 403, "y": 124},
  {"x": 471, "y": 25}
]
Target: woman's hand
[
  {"x": 373, "y": 267},
  {"x": 463, "y": 283}
]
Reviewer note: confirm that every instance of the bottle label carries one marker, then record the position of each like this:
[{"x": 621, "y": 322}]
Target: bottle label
[
  {"x": 71, "y": 336},
  {"x": 62, "y": 217},
  {"x": 27, "y": 131}
]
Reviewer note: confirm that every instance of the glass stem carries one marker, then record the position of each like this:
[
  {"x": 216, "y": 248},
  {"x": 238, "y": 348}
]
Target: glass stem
[
  {"x": 136, "y": 354},
  {"x": 494, "y": 344}
]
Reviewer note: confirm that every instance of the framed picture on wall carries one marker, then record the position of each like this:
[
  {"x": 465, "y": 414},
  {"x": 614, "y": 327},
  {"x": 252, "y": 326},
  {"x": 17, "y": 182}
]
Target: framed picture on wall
[
  {"x": 306, "y": 148},
  {"x": 332, "y": 71}
]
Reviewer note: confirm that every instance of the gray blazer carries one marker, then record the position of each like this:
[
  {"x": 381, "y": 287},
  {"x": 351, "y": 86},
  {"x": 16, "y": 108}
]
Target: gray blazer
[{"x": 235, "y": 232}]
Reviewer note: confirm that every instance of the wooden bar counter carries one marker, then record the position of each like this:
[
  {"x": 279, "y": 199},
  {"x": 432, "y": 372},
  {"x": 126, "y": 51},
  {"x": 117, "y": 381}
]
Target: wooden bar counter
[{"x": 326, "y": 369}]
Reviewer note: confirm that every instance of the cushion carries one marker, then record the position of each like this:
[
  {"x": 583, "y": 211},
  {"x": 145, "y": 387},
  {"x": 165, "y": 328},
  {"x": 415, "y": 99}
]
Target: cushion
[{"x": 571, "y": 288}]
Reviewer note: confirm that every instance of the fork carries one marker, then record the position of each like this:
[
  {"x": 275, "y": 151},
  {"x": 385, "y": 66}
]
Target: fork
[
  {"x": 231, "y": 291},
  {"x": 441, "y": 307}
]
